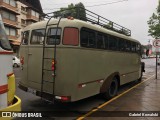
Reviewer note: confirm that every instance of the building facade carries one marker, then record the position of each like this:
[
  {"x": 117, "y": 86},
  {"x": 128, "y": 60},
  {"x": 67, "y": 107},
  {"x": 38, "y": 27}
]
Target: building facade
[{"x": 17, "y": 14}]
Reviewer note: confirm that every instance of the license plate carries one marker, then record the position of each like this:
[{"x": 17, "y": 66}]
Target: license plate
[{"x": 30, "y": 90}]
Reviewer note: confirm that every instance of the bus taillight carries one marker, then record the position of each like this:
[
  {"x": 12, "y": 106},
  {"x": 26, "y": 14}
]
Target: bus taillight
[
  {"x": 53, "y": 64},
  {"x": 22, "y": 60}
]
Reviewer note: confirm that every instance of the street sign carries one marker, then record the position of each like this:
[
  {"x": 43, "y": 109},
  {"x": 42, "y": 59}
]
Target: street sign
[{"x": 156, "y": 43}]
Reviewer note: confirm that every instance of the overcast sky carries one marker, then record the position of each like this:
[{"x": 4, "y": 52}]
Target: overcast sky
[{"x": 132, "y": 14}]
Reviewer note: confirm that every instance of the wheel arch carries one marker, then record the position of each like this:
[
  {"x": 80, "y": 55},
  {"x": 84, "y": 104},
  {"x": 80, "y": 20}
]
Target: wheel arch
[{"x": 108, "y": 81}]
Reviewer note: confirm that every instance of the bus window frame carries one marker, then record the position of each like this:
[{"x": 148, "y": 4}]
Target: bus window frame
[
  {"x": 48, "y": 30},
  {"x": 32, "y": 35},
  {"x": 90, "y": 31},
  {"x": 23, "y": 37}
]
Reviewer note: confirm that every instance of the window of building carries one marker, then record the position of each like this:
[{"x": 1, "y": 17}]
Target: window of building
[
  {"x": 70, "y": 36},
  {"x": 10, "y": 2},
  {"x": 13, "y": 3},
  {"x": 23, "y": 8},
  {"x": 88, "y": 38},
  {"x": 6, "y": 1},
  {"x": 23, "y": 21},
  {"x": 12, "y": 17},
  {"x": 37, "y": 36},
  {"x": 10, "y": 31},
  {"x": 54, "y": 36},
  {"x": 9, "y": 16},
  {"x": 37, "y": 15}
]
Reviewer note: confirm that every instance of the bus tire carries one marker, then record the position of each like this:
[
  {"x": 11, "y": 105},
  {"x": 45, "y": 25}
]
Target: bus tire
[
  {"x": 112, "y": 90},
  {"x": 140, "y": 79}
]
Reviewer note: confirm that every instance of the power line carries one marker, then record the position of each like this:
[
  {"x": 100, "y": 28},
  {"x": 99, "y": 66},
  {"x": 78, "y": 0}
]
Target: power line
[
  {"x": 92, "y": 5},
  {"x": 107, "y": 3}
]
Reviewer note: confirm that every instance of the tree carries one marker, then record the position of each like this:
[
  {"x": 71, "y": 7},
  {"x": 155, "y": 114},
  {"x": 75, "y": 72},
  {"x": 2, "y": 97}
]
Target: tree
[
  {"x": 76, "y": 11},
  {"x": 154, "y": 23}
]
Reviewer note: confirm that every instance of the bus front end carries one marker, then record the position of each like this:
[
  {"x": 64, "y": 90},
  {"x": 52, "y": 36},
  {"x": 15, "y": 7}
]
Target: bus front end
[{"x": 8, "y": 101}]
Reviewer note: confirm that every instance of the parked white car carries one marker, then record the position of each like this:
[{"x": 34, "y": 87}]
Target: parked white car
[{"x": 16, "y": 62}]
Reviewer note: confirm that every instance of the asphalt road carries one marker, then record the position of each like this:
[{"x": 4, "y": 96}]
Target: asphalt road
[{"x": 33, "y": 103}]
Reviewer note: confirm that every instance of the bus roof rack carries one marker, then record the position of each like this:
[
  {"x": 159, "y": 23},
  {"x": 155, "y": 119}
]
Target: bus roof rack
[{"x": 88, "y": 16}]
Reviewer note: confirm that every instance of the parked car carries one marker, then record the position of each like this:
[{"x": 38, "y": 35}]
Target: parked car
[{"x": 16, "y": 62}]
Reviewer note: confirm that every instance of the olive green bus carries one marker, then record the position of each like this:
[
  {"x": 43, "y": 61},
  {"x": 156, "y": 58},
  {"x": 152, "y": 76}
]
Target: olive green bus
[{"x": 90, "y": 60}]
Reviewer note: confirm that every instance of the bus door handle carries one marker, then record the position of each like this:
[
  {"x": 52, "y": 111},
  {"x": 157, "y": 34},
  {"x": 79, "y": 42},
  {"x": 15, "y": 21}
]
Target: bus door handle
[{"x": 29, "y": 53}]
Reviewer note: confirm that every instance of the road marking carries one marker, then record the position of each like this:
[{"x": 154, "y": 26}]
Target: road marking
[{"x": 116, "y": 97}]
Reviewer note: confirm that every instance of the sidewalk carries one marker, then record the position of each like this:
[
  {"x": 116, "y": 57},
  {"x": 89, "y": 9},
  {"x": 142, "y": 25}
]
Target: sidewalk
[{"x": 145, "y": 98}]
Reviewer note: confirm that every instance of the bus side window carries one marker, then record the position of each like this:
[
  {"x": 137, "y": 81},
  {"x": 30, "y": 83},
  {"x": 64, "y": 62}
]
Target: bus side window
[
  {"x": 106, "y": 41},
  {"x": 91, "y": 40},
  {"x": 70, "y": 36},
  {"x": 113, "y": 43},
  {"x": 25, "y": 38},
  {"x": 133, "y": 47},
  {"x": 122, "y": 45},
  {"x": 37, "y": 36},
  {"x": 128, "y": 46},
  {"x": 138, "y": 48},
  {"x": 88, "y": 39},
  {"x": 100, "y": 41},
  {"x": 52, "y": 38}
]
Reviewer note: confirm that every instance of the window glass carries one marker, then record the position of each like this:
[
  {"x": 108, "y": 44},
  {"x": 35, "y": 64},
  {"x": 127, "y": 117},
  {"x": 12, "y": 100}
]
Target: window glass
[
  {"x": 25, "y": 37},
  {"x": 112, "y": 43},
  {"x": 33, "y": 13},
  {"x": 12, "y": 31},
  {"x": 133, "y": 47},
  {"x": 122, "y": 45},
  {"x": 100, "y": 41},
  {"x": 54, "y": 36},
  {"x": 84, "y": 38},
  {"x": 70, "y": 36},
  {"x": 37, "y": 36},
  {"x": 6, "y": 1},
  {"x": 106, "y": 41},
  {"x": 12, "y": 17},
  {"x": 5, "y": 14},
  {"x": 37, "y": 15},
  {"x": 138, "y": 48},
  {"x": 88, "y": 39},
  {"x": 7, "y": 30},
  {"x": 13, "y": 3},
  {"x": 128, "y": 46}
]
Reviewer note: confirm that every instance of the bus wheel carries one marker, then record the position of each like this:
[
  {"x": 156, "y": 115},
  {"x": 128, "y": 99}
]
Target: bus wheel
[
  {"x": 112, "y": 90},
  {"x": 140, "y": 79}
]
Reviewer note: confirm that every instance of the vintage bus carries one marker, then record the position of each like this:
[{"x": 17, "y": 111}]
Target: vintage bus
[
  {"x": 8, "y": 100},
  {"x": 70, "y": 59}
]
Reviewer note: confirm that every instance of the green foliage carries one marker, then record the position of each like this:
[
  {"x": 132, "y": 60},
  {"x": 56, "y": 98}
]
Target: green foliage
[
  {"x": 76, "y": 11},
  {"x": 154, "y": 24}
]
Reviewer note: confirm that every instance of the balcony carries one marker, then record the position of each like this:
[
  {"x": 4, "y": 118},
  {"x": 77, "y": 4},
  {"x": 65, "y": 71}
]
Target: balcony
[
  {"x": 11, "y": 23},
  {"x": 10, "y": 37},
  {"x": 9, "y": 7},
  {"x": 32, "y": 18}
]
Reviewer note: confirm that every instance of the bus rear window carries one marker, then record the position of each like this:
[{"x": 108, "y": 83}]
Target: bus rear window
[
  {"x": 54, "y": 36},
  {"x": 37, "y": 36},
  {"x": 70, "y": 36},
  {"x": 25, "y": 38}
]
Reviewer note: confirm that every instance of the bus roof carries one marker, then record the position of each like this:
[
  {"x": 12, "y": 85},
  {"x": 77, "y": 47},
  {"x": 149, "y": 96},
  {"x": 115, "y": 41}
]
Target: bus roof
[{"x": 77, "y": 23}]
